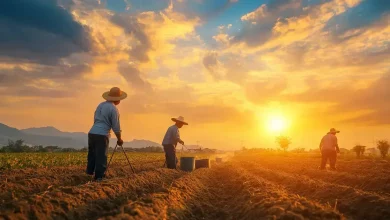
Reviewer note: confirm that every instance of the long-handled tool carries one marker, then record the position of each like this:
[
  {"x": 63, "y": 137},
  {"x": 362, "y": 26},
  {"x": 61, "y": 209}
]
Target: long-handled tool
[{"x": 123, "y": 150}]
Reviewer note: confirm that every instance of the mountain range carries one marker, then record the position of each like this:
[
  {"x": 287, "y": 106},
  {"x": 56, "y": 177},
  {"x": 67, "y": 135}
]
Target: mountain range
[{"x": 51, "y": 136}]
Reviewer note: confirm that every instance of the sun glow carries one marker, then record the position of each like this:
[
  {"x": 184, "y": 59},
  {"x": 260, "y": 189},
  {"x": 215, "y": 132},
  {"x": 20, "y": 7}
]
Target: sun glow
[{"x": 276, "y": 123}]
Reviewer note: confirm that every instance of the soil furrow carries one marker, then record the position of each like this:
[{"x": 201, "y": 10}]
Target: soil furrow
[
  {"x": 352, "y": 202},
  {"x": 233, "y": 193},
  {"x": 223, "y": 192},
  {"x": 365, "y": 181},
  {"x": 60, "y": 202},
  {"x": 20, "y": 188}
]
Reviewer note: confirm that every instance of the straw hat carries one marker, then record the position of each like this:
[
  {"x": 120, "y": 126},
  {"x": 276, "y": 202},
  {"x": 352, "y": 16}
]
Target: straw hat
[
  {"x": 180, "y": 119},
  {"x": 333, "y": 130},
  {"x": 115, "y": 94}
]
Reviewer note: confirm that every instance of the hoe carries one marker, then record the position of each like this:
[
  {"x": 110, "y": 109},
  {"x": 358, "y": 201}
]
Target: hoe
[{"x": 123, "y": 150}]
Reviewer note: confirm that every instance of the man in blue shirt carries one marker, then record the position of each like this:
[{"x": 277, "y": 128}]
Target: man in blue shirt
[
  {"x": 171, "y": 138},
  {"x": 106, "y": 118}
]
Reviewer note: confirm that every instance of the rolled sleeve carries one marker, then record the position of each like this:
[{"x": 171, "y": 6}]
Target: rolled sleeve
[{"x": 116, "y": 126}]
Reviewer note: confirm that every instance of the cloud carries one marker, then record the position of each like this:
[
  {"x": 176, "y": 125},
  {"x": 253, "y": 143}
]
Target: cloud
[
  {"x": 216, "y": 113},
  {"x": 133, "y": 76},
  {"x": 43, "y": 81},
  {"x": 262, "y": 92},
  {"x": 231, "y": 67},
  {"x": 62, "y": 73},
  {"x": 210, "y": 61},
  {"x": 132, "y": 27},
  {"x": 364, "y": 106},
  {"x": 358, "y": 18},
  {"x": 46, "y": 38},
  {"x": 258, "y": 24},
  {"x": 30, "y": 91},
  {"x": 202, "y": 9},
  {"x": 278, "y": 5},
  {"x": 159, "y": 99},
  {"x": 282, "y": 22}
]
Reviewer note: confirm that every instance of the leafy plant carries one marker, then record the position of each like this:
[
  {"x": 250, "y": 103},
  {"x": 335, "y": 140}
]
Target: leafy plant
[
  {"x": 383, "y": 146},
  {"x": 359, "y": 150},
  {"x": 283, "y": 141}
]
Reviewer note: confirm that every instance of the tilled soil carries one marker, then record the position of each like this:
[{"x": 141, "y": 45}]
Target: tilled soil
[{"x": 238, "y": 189}]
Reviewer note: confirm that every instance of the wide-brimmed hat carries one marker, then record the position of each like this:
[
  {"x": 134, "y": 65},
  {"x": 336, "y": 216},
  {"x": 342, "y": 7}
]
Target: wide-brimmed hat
[
  {"x": 115, "y": 94},
  {"x": 180, "y": 119},
  {"x": 333, "y": 130}
]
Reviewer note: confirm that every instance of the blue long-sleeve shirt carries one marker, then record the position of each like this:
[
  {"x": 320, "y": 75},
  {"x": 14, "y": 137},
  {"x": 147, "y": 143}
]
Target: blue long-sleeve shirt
[
  {"x": 172, "y": 136},
  {"x": 106, "y": 118}
]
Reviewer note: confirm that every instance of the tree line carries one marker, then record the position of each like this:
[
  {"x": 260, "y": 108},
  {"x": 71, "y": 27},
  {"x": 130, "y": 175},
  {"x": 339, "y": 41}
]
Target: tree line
[{"x": 19, "y": 146}]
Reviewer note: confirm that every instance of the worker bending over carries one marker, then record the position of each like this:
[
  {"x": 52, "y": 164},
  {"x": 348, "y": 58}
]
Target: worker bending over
[
  {"x": 329, "y": 149},
  {"x": 171, "y": 138}
]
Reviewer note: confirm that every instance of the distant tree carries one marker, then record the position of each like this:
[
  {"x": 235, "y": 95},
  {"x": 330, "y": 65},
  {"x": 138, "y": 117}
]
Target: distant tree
[
  {"x": 359, "y": 150},
  {"x": 85, "y": 149},
  {"x": 68, "y": 150},
  {"x": 38, "y": 148},
  {"x": 52, "y": 148},
  {"x": 283, "y": 141},
  {"x": 383, "y": 146},
  {"x": 16, "y": 146}
]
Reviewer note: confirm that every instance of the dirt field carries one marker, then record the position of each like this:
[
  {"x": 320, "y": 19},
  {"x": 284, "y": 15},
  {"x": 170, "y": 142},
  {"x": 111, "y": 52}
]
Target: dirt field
[{"x": 247, "y": 186}]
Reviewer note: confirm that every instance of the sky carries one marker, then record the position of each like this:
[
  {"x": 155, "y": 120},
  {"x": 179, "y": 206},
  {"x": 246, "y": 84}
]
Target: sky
[{"x": 229, "y": 67}]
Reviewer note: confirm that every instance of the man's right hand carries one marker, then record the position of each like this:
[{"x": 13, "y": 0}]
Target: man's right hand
[
  {"x": 120, "y": 142},
  {"x": 181, "y": 142}
]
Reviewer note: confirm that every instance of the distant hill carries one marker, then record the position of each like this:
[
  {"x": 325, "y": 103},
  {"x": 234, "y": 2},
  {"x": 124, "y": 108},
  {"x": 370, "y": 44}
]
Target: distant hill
[
  {"x": 52, "y": 131},
  {"x": 52, "y": 136},
  {"x": 8, "y": 131}
]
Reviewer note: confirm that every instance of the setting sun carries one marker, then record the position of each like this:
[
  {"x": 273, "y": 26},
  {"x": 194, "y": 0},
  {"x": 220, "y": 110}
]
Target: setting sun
[{"x": 276, "y": 124}]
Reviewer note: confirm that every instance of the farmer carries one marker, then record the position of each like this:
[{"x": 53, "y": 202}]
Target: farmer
[
  {"x": 106, "y": 118},
  {"x": 172, "y": 137},
  {"x": 329, "y": 149}
]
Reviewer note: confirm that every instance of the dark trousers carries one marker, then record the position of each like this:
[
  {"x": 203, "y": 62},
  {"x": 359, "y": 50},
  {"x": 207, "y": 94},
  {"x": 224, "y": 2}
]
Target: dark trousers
[
  {"x": 170, "y": 156},
  {"x": 97, "y": 155},
  {"x": 331, "y": 155}
]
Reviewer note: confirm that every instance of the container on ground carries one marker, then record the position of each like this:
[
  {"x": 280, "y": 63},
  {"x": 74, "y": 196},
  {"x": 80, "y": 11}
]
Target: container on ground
[
  {"x": 204, "y": 163},
  {"x": 187, "y": 163}
]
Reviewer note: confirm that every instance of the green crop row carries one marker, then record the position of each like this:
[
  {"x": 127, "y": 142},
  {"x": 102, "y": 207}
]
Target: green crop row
[{"x": 47, "y": 160}]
